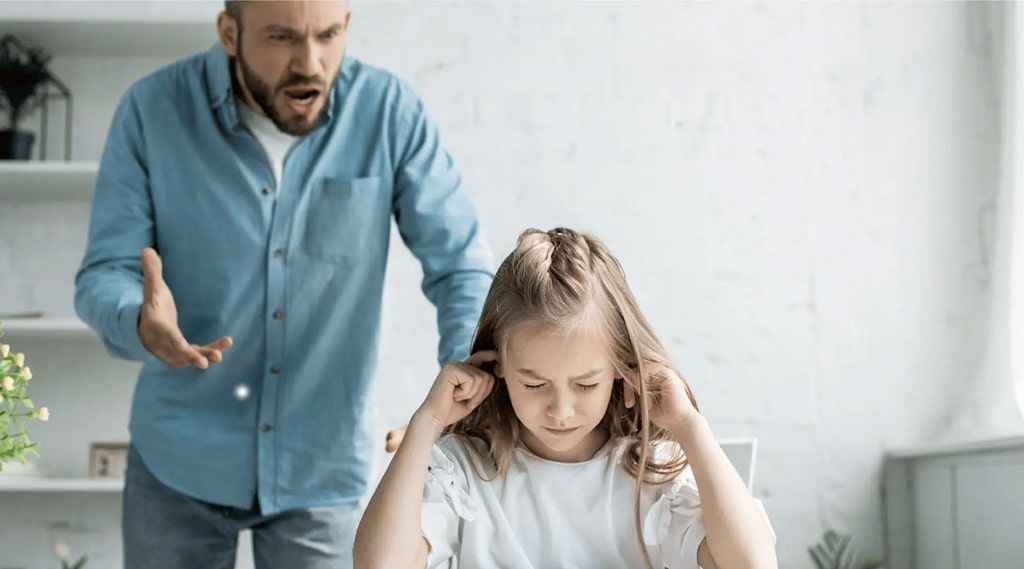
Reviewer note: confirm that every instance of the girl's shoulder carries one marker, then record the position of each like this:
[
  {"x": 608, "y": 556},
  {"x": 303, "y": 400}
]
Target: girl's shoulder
[
  {"x": 661, "y": 455},
  {"x": 661, "y": 451},
  {"x": 459, "y": 453},
  {"x": 460, "y": 446}
]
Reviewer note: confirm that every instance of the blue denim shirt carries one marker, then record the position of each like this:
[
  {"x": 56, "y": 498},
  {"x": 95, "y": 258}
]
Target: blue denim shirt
[{"x": 294, "y": 274}]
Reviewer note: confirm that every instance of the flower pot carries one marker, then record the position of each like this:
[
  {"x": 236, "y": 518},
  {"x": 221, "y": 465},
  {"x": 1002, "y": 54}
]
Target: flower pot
[
  {"x": 15, "y": 469},
  {"x": 16, "y": 144}
]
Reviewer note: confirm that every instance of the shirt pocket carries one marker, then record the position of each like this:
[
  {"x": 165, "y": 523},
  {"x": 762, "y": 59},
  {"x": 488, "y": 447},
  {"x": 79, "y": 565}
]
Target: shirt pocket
[{"x": 347, "y": 220}]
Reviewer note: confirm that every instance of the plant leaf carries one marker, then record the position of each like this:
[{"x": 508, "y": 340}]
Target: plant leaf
[
  {"x": 842, "y": 552},
  {"x": 825, "y": 555},
  {"x": 816, "y": 556}
]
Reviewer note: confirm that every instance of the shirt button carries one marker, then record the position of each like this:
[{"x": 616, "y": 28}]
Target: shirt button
[
  {"x": 278, "y": 253},
  {"x": 275, "y": 369},
  {"x": 278, "y": 314},
  {"x": 267, "y": 191},
  {"x": 264, "y": 427}
]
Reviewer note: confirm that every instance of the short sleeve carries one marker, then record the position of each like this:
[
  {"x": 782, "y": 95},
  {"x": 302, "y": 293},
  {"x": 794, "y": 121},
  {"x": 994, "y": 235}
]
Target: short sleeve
[
  {"x": 446, "y": 503},
  {"x": 675, "y": 524}
]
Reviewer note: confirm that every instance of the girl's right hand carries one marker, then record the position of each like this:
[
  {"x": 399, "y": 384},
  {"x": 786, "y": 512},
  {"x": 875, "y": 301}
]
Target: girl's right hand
[{"x": 459, "y": 388}]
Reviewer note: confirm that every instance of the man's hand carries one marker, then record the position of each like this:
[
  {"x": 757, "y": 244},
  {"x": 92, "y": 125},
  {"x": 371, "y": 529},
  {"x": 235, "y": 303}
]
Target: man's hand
[
  {"x": 394, "y": 438},
  {"x": 158, "y": 322}
]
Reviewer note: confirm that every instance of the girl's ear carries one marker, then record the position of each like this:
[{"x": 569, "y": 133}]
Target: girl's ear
[
  {"x": 628, "y": 395},
  {"x": 498, "y": 370}
]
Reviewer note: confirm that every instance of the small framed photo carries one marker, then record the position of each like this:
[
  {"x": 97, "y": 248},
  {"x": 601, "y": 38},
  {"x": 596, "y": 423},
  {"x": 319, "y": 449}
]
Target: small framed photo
[{"x": 108, "y": 460}]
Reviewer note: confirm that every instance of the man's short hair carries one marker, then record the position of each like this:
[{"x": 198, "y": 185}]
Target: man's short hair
[{"x": 234, "y": 8}]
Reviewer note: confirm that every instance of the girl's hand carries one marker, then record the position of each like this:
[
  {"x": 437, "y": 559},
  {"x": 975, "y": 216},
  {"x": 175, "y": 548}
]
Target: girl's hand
[
  {"x": 668, "y": 396},
  {"x": 458, "y": 389}
]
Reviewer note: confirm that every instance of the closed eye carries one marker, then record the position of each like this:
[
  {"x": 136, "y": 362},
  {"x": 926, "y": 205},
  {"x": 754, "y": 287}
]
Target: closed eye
[
  {"x": 587, "y": 386},
  {"x": 537, "y": 386}
]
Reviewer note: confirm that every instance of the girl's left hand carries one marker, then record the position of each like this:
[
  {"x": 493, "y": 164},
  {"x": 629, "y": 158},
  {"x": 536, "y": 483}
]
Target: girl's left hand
[{"x": 668, "y": 397}]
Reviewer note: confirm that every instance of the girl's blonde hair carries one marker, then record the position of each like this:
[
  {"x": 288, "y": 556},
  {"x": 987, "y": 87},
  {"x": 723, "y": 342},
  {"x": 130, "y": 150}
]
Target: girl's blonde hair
[{"x": 562, "y": 280}]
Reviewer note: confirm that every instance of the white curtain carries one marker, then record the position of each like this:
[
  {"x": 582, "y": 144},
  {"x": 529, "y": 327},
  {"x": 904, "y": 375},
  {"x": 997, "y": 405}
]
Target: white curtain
[
  {"x": 1013, "y": 186},
  {"x": 992, "y": 406}
]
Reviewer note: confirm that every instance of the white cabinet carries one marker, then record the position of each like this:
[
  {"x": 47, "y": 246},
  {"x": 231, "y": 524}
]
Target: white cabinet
[
  {"x": 99, "y": 49},
  {"x": 89, "y": 395},
  {"x": 956, "y": 507}
]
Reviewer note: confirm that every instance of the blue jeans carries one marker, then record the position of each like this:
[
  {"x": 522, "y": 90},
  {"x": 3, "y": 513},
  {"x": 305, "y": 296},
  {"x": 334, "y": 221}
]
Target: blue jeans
[{"x": 165, "y": 529}]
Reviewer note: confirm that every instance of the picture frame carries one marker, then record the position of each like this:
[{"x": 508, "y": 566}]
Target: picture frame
[{"x": 108, "y": 460}]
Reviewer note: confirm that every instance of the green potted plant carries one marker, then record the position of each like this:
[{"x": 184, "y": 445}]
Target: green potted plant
[
  {"x": 16, "y": 406},
  {"x": 23, "y": 77},
  {"x": 835, "y": 551}
]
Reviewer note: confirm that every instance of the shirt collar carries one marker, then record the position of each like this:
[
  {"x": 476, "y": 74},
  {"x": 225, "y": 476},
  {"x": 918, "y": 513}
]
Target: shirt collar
[{"x": 218, "y": 85}]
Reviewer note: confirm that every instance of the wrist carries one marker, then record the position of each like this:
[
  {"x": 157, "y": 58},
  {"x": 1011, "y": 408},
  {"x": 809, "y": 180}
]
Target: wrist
[
  {"x": 683, "y": 430},
  {"x": 423, "y": 419},
  {"x": 129, "y": 320}
]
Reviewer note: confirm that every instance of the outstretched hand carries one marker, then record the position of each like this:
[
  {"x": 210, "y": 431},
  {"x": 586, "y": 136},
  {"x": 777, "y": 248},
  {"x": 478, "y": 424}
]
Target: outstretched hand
[{"x": 158, "y": 322}]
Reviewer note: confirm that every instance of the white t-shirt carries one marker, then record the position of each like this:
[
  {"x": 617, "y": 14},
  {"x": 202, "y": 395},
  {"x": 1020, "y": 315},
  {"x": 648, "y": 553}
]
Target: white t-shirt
[
  {"x": 552, "y": 514},
  {"x": 275, "y": 143}
]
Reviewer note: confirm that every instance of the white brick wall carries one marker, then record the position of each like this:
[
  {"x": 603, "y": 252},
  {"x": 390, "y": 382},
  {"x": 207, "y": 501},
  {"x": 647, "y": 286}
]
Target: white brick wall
[{"x": 801, "y": 195}]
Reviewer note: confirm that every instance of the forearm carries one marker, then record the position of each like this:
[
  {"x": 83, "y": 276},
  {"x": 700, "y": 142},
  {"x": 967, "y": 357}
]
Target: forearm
[
  {"x": 108, "y": 285},
  {"x": 390, "y": 532},
  {"x": 108, "y": 300},
  {"x": 738, "y": 535},
  {"x": 439, "y": 224},
  {"x": 459, "y": 299}
]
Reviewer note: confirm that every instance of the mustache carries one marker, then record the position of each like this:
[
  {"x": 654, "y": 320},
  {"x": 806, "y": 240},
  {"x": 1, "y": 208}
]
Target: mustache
[{"x": 307, "y": 82}]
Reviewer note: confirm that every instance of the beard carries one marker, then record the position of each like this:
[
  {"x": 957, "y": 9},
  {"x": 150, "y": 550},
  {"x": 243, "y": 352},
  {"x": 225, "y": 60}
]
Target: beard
[{"x": 263, "y": 94}]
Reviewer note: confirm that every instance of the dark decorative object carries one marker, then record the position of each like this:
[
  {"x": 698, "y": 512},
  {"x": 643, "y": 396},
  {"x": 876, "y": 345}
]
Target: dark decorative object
[{"x": 25, "y": 83}]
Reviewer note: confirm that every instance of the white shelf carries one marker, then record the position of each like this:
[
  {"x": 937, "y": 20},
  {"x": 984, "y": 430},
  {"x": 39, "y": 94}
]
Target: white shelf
[
  {"x": 45, "y": 484},
  {"x": 24, "y": 180},
  {"x": 999, "y": 444},
  {"x": 117, "y": 29},
  {"x": 46, "y": 327}
]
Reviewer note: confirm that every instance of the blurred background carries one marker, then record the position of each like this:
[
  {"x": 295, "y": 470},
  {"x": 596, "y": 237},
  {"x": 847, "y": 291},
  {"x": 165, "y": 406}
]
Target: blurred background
[{"x": 818, "y": 206}]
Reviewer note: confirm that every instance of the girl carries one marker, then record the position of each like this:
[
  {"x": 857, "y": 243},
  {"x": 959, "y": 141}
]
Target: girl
[{"x": 566, "y": 440}]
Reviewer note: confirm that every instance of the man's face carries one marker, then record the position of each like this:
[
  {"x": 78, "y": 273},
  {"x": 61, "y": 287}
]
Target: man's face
[{"x": 288, "y": 56}]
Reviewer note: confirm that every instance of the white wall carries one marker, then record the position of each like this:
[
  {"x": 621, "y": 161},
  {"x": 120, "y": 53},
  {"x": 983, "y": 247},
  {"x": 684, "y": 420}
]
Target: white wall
[{"x": 801, "y": 194}]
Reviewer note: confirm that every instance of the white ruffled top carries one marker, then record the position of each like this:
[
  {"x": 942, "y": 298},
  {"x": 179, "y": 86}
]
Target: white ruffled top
[{"x": 543, "y": 513}]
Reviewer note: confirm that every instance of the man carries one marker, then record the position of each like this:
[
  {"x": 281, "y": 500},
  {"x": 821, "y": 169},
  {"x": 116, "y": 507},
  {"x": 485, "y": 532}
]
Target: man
[{"x": 243, "y": 203}]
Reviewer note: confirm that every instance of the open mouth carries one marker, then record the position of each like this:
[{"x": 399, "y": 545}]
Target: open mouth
[{"x": 302, "y": 99}]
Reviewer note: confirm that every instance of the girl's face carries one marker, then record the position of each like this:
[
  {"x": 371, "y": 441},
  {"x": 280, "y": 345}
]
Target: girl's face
[{"x": 560, "y": 387}]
